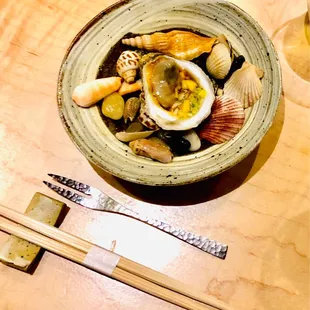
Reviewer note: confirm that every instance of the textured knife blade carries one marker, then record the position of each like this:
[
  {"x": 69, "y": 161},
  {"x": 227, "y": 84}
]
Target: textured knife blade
[
  {"x": 101, "y": 202},
  {"x": 207, "y": 245}
]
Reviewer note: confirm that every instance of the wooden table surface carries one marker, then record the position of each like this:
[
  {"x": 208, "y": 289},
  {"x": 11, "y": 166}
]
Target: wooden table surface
[{"x": 260, "y": 208}]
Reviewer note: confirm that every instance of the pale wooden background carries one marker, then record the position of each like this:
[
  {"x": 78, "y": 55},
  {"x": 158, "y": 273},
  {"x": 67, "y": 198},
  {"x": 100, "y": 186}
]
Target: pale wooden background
[{"x": 260, "y": 207}]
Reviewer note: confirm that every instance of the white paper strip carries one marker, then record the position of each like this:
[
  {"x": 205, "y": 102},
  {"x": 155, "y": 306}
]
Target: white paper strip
[{"x": 101, "y": 260}]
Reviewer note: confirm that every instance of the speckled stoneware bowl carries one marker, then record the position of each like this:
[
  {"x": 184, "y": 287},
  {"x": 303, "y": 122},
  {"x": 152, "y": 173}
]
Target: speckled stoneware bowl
[{"x": 87, "y": 51}]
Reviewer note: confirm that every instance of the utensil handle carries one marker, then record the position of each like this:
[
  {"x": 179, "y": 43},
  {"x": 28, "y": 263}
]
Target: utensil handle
[{"x": 203, "y": 243}]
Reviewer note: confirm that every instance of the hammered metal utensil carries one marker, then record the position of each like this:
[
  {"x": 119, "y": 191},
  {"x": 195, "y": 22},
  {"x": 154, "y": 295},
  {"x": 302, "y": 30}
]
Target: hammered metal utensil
[{"x": 97, "y": 200}]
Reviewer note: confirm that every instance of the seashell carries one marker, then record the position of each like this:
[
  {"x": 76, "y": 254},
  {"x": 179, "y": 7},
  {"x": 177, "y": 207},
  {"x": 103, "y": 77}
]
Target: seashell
[
  {"x": 87, "y": 94},
  {"x": 127, "y": 65},
  {"x": 127, "y": 88},
  {"x": 226, "y": 120},
  {"x": 192, "y": 137},
  {"x": 219, "y": 61},
  {"x": 183, "y": 45},
  {"x": 144, "y": 118},
  {"x": 151, "y": 149},
  {"x": 132, "y": 107},
  {"x": 245, "y": 84},
  {"x": 131, "y": 136}
]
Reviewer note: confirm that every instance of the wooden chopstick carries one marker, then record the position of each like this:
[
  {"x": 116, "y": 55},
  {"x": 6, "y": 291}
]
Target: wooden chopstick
[
  {"x": 120, "y": 274},
  {"x": 125, "y": 264}
]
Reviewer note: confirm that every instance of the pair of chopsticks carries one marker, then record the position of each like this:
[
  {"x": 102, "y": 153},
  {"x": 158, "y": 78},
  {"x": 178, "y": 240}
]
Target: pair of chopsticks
[{"x": 76, "y": 249}]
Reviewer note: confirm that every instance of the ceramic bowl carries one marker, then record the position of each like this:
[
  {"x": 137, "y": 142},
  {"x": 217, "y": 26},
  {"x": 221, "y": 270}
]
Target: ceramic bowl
[{"x": 88, "y": 49}]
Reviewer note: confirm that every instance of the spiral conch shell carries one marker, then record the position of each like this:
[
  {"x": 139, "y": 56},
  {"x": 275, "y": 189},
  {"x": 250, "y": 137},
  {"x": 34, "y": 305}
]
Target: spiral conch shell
[
  {"x": 127, "y": 65},
  {"x": 245, "y": 84},
  {"x": 183, "y": 45},
  {"x": 225, "y": 122}
]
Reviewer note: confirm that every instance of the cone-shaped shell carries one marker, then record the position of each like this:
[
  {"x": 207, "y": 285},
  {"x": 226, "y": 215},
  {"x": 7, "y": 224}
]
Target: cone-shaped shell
[
  {"x": 157, "y": 41},
  {"x": 127, "y": 65},
  {"x": 132, "y": 107},
  {"x": 131, "y": 136},
  {"x": 183, "y": 45},
  {"x": 219, "y": 61},
  {"x": 245, "y": 85},
  {"x": 87, "y": 94},
  {"x": 151, "y": 149},
  {"x": 127, "y": 88},
  {"x": 226, "y": 120}
]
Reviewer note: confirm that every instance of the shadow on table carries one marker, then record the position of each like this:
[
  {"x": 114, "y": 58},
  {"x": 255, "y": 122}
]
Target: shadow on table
[{"x": 209, "y": 189}]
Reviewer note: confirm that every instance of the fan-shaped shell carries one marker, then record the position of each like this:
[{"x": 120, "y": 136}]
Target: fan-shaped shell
[
  {"x": 183, "y": 45},
  {"x": 226, "y": 120},
  {"x": 219, "y": 61},
  {"x": 127, "y": 65},
  {"x": 245, "y": 85}
]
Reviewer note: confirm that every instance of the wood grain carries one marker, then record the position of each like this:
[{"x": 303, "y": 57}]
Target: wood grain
[{"x": 260, "y": 207}]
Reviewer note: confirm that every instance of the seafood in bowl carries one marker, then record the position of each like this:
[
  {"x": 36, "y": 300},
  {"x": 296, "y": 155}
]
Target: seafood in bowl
[
  {"x": 174, "y": 93},
  {"x": 199, "y": 153}
]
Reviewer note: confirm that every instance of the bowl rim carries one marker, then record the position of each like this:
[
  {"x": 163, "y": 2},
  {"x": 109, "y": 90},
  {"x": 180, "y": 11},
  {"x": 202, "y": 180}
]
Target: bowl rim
[{"x": 241, "y": 157}]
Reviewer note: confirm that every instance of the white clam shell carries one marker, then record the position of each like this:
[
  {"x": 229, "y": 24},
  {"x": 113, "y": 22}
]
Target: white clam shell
[
  {"x": 219, "y": 61},
  {"x": 245, "y": 85},
  {"x": 193, "y": 139}
]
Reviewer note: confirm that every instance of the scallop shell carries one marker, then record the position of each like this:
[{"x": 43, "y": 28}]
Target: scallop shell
[
  {"x": 131, "y": 136},
  {"x": 131, "y": 109},
  {"x": 183, "y": 45},
  {"x": 245, "y": 84},
  {"x": 151, "y": 149},
  {"x": 144, "y": 118},
  {"x": 127, "y": 88},
  {"x": 219, "y": 61},
  {"x": 226, "y": 120},
  {"x": 127, "y": 65},
  {"x": 87, "y": 94}
]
